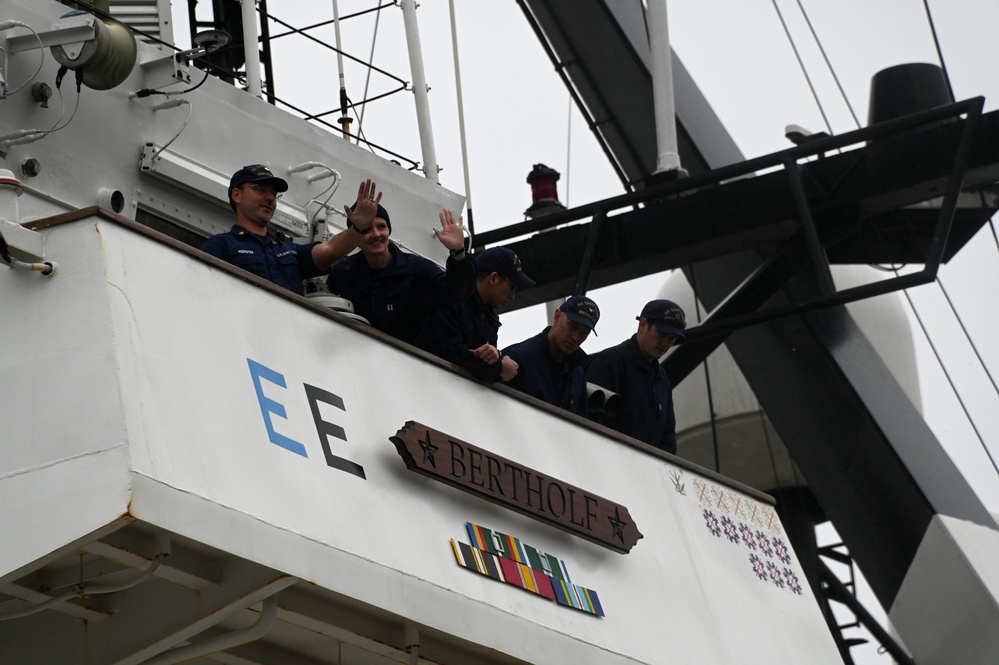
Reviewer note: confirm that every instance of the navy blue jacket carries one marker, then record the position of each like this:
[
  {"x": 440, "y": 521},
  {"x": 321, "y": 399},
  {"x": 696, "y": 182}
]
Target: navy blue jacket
[
  {"x": 451, "y": 332},
  {"x": 646, "y": 394},
  {"x": 397, "y": 298},
  {"x": 558, "y": 382},
  {"x": 284, "y": 263}
]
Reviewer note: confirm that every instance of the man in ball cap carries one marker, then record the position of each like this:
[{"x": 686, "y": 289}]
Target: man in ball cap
[
  {"x": 551, "y": 362},
  {"x": 466, "y": 332},
  {"x": 632, "y": 370},
  {"x": 395, "y": 290},
  {"x": 253, "y": 194}
]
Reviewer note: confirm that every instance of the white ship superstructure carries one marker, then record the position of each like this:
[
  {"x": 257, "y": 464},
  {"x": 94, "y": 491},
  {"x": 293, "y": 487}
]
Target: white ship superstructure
[{"x": 199, "y": 466}]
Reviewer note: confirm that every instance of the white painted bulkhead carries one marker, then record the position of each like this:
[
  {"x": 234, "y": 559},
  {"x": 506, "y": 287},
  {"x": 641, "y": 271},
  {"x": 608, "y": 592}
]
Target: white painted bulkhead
[
  {"x": 131, "y": 422},
  {"x": 101, "y": 148},
  {"x": 143, "y": 349}
]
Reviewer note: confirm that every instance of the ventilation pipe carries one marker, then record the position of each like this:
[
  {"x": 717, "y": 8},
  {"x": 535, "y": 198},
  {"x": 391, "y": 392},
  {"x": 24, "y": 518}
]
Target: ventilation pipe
[{"x": 667, "y": 155}]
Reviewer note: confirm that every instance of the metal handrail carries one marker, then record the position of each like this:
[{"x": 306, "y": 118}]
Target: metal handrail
[
  {"x": 301, "y": 31},
  {"x": 934, "y": 253},
  {"x": 318, "y": 117},
  {"x": 836, "y": 590},
  {"x": 714, "y": 177},
  {"x": 322, "y": 24}
]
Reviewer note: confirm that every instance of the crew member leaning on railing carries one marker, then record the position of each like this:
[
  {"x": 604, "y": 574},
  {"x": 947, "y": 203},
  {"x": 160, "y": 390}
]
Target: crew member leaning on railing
[
  {"x": 465, "y": 333},
  {"x": 632, "y": 370},
  {"x": 551, "y": 363}
]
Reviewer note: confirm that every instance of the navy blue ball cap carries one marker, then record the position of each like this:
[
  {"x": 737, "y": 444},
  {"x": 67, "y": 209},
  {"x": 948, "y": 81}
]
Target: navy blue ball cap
[
  {"x": 583, "y": 311},
  {"x": 665, "y": 315},
  {"x": 254, "y": 173},
  {"x": 504, "y": 261},
  {"x": 257, "y": 173}
]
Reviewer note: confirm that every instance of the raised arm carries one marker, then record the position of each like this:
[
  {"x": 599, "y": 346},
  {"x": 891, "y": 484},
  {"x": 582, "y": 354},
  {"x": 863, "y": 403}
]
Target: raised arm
[
  {"x": 325, "y": 254},
  {"x": 452, "y": 234}
]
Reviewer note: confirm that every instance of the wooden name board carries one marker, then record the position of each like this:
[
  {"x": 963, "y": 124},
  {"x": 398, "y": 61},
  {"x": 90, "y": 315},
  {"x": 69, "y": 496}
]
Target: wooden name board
[{"x": 436, "y": 455}]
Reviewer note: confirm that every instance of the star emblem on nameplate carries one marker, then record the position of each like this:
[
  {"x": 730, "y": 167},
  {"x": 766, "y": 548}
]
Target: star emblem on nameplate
[
  {"x": 510, "y": 484},
  {"x": 428, "y": 449},
  {"x": 617, "y": 525}
]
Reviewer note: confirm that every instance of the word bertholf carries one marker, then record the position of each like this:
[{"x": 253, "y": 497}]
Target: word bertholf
[{"x": 460, "y": 464}]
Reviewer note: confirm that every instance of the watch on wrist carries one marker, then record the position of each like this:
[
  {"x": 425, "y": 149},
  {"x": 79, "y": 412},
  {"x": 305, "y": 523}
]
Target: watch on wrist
[{"x": 455, "y": 253}]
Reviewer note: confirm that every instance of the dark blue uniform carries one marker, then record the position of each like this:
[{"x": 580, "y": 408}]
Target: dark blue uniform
[
  {"x": 558, "y": 382},
  {"x": 284, "y": 263},
  {"x": 397, "y": 298},
  {"x": 646, "y": 394},
  {"x": 452, "y": 331}
]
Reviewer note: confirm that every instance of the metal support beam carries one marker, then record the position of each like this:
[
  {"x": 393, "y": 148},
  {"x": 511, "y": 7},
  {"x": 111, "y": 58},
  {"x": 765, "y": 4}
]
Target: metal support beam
[
  {"x": 826, "y": 286},
  {"x": 258, "y": 629},
  {"x": 586, "y": 263},
  {"x": 246, "y": 586},
  {"x": 872, "y": 462},
  {"x": 838, "y": 592}
]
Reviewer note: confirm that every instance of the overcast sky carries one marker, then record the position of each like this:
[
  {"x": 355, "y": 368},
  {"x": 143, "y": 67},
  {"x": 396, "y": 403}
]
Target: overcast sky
[{"x": 518, "y": 113}]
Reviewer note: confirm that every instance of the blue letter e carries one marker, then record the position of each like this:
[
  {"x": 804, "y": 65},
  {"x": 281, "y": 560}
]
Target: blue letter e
[{"x": 269, "y": 406}]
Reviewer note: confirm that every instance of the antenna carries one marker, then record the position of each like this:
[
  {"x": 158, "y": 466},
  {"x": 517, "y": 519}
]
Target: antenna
[{"x": 209, "y": 41}]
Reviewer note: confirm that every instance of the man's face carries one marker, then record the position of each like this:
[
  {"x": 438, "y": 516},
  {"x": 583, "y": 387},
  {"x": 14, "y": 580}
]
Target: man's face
[
  {"x": 255, "y": 203},
  {"x": 496, "y": 289},
  {"x": 652, "y": 343},
  {"x": 566, "y": 335},
  {"x": 376, "y": 241}
]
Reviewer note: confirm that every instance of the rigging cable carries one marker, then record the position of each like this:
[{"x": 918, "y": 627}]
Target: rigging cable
[
  {"x": 344, "y": 118},
  {"x": 950, "y": 381},
  {"x": 967, "y": 335},
  {"x": 991, "y": 226},
  {"x": 912, "y": 306},
  {"x": 770, "y": 449},
  {"x": 939, "y": 282},
  {"x": 568, "y": 151},
  {"x": 801, "y": 64},
  {"x": 318, "y": 117},
  {"x": 936, "y": 42},
  {"x": 707, "y": 377},
  {"x": 832, "y": 71},
  {"x": 367, "y": 78},
  {"x": 461, "y": 120}
]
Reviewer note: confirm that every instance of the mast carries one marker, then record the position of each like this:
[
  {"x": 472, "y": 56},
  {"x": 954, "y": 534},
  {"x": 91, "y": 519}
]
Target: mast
[
  {"x": 251, "y": 51},
  {"x": 420, "y": 89},
  {"x": 667, "y": 154}
]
